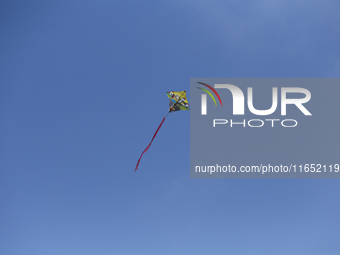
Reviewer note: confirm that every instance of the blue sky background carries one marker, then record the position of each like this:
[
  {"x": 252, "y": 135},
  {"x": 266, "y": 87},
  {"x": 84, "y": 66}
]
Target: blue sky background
[{"x": 82, "y": 90}]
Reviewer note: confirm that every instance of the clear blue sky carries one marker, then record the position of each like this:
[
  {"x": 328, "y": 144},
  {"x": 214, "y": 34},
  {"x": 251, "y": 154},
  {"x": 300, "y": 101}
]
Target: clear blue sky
[{"x": 82, "y": 90}]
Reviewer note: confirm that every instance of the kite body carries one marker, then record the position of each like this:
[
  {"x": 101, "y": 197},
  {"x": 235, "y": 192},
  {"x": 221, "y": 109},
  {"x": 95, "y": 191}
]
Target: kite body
[{"x": 177, "y": 101}]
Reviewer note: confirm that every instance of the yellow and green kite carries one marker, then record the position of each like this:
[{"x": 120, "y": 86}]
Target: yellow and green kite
[{"x": 177, "y": 101}]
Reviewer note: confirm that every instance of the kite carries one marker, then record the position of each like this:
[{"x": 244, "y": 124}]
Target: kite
[{"x": 177, "y": 101}]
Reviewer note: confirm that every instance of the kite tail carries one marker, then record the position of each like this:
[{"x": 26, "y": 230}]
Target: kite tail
[{"x": 146, "y": 149}]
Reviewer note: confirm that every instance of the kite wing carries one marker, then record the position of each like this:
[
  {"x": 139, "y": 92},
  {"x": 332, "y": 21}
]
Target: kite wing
[{"x": 177, "y": 101}]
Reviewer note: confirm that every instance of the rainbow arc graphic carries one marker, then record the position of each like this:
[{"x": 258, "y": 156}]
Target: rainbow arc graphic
[{"x": 204, "y": 97}]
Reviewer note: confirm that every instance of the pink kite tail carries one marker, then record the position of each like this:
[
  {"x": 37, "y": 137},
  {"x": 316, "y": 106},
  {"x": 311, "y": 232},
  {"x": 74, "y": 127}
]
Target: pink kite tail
[{"x": 146, "y": 149}]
